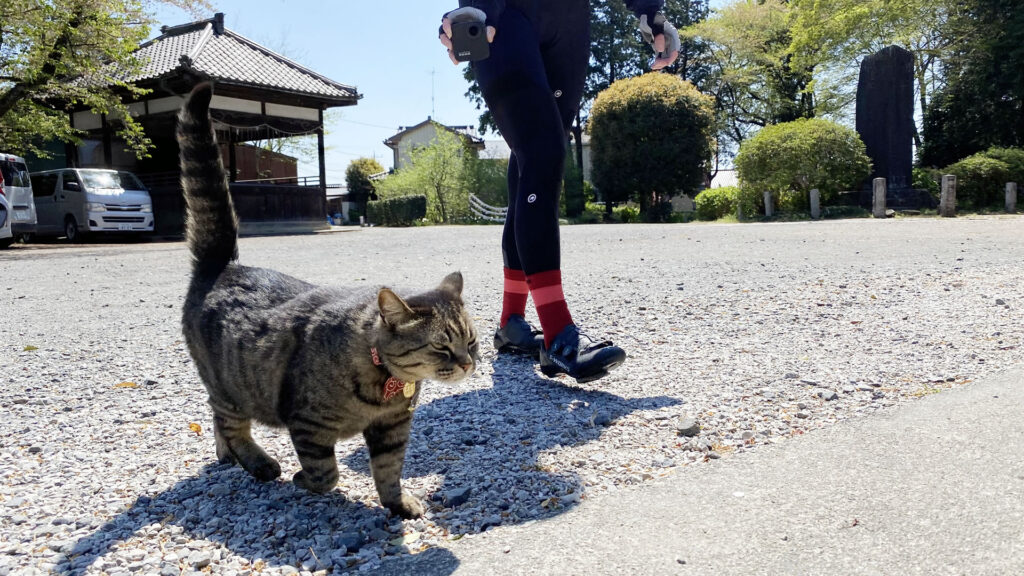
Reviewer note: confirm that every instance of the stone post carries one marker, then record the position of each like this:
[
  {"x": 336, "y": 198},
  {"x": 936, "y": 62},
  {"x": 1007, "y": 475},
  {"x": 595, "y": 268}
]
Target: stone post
[
  {"x": 947, "y": 202},
  {"x": 739, "y": 211},
  {"x": 769, "y": 210},
  {"x": 878, "y": 206},
  {"x": 815, "y": 204},
  {"x": 1011, "y": 197}
]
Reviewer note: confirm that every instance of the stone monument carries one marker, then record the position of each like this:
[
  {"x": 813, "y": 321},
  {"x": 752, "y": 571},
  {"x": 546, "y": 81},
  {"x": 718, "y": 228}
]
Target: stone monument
[{"x": 885, "y": 122}]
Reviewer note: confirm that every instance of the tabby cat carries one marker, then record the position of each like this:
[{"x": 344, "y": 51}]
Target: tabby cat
[{"x": 323, "y": 363}]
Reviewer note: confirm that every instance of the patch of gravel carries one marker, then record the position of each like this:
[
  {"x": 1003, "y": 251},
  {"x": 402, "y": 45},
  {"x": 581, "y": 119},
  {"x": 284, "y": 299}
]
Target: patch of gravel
[{"x": 738, "y": 336}]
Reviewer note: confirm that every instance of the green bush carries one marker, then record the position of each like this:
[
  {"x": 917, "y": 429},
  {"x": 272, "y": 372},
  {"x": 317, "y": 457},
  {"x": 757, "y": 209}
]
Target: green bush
[
  {"x": 716, "y": 203},
  {"x": 980, "y": 181},
  {"x": 400, "y": 211},
  {"x": 652, "y": 137},
  {"x": 1014, "y": 160},
  {"x": 929, "y": 179},
  {"x": 792, "y": 158}
]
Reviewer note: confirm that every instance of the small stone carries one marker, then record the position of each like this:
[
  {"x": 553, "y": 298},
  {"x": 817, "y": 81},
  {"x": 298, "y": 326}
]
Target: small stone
[
  {"x": 802, "y": 415},
  {"x": 200, "y": 559},
  {"x": 827, "y": 395},
  {"x": 457, "y": 497},
  {"x": 801, "y": 405},
  {"x": 792, "y": 375},
  {"x": 1000, "y": 302},
  {"x": 680, "y": 561},
  {"x": 878, "y": 394},
  {"x": 688, "y": 427},
  {"x": 35, "y": 450},
  {"x": 602, "y": 419},
  {"x": 747, "y": 435}
]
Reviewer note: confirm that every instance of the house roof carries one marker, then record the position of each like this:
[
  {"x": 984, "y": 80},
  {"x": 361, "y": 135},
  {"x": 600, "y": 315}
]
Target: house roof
[
  {"x": 464, "y": 131},
  {"x": 208, "y": 48}
]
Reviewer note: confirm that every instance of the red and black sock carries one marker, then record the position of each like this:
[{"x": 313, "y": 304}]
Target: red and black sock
[
  {"x": 546, "y": 290},
  {"x": 516, "y": 292}
]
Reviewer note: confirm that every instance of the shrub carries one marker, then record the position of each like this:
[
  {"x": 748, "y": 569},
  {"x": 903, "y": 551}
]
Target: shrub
[
  {"x": 929, "y": 179},
  {"x": 980, "y": 181},
  {"x": 1014, "y": 160},
  {"x": 792, "y": 158},
  {"x": 651, "y": 139},
  {"x": 715, "y": 203},
  {"x": 400, "y": 211}
]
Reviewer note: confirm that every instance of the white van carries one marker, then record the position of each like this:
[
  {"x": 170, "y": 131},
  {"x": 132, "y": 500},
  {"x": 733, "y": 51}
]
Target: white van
[
  {"x": 17, "y": 187},
  {"x": 6, "y": 236},
  {"x": 77, "y": 201}
]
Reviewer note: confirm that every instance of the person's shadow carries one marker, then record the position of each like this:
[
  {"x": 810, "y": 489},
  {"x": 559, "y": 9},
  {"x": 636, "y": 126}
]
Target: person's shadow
[{"x": 507, "y": 427}]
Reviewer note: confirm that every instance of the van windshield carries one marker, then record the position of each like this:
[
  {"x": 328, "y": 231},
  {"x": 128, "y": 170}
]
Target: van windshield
[
  {"x": 99, "y": 180},
  {"x": 129, "y": 181}
]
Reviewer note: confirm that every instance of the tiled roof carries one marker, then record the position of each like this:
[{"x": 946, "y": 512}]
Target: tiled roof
[{"x": 230, "y": 57}]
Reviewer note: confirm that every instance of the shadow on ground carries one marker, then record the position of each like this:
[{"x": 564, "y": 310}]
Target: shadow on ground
[{"x": 487, "y": 441}]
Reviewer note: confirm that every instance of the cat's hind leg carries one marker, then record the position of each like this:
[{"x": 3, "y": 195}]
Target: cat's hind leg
[
  {"x": 387, "y": 443},
  {"x": 235, "y": 444}
]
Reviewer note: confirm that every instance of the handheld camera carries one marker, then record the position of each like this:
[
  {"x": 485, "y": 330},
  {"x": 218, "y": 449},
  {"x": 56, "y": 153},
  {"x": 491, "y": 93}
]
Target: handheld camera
[{"x": 469, "y": 41}]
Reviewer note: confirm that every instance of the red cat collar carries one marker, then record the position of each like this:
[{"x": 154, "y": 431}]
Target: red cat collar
[{"x": 393, "y": 385}]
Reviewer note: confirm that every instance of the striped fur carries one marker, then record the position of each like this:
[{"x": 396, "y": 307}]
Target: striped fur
[{"x": 276, "y": 350}]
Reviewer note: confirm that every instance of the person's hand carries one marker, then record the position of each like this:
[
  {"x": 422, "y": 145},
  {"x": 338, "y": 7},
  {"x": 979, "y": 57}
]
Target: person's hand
[
  {"x": 465, "y": 14},
  {"x": 662, "y": 36}
]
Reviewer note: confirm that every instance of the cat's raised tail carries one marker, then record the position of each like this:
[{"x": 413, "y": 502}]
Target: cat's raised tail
[{"x": 211, "y": 225}]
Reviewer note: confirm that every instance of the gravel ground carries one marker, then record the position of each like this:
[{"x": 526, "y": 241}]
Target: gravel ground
[{"x": 738, "y": 335}]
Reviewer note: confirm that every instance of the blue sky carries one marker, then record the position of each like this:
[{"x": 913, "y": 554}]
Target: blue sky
[{"x": 389, "y": 51}]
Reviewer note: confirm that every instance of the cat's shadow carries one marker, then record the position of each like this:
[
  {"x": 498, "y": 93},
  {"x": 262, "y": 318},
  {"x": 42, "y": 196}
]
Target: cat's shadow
[{"x": 505, "y": 427}]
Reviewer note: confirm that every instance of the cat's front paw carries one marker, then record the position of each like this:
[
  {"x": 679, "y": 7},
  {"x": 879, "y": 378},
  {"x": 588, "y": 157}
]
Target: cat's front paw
[
  {"x": 304, "y": 480},
  {"x": 408, "y": 507}
]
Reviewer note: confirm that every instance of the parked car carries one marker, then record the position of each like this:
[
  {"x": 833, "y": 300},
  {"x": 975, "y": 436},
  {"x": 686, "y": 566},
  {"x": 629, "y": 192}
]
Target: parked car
[
  {"x": 6, "y": 235},
  {"x": 74, "y": 202},
  {"x": 18, "y": 189}
]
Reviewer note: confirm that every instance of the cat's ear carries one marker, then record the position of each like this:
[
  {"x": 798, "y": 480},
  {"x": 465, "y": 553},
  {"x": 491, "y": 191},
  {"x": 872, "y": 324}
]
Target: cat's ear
[
  {"x": 453, "y": 283},
  {"x": 393, "y": 310}
]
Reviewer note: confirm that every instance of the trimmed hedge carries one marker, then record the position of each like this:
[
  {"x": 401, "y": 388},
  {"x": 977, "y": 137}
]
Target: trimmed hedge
[
  {"x": 980, "y": 181},
  {"x": 716, "y": 203},
  {"x": 1014, "y": 160},
  {"x": 399, "y": 211},
  {"x": 792, "y": 158}
]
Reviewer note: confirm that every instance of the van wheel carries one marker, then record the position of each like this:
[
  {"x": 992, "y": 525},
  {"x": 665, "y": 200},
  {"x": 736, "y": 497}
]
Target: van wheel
[
  {"x": 6, "y": 243},
  {"x": 71, "y": 230}
]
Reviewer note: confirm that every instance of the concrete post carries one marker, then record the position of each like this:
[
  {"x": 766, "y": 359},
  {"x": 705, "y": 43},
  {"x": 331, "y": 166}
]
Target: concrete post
[
  {"x": 1011, "y": 197},
  {"x": 947, "y": 202},
  {"x": 878, "y": 206},
  {"x": 769, "y": 210},
  {"x": 815, "y": 204},
  {"x": 739, "y": 211}
]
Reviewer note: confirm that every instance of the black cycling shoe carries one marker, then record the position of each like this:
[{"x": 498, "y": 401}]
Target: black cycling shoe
[
  {"x": 518, "y": 337},
  {"x": 580, "y": 356}
]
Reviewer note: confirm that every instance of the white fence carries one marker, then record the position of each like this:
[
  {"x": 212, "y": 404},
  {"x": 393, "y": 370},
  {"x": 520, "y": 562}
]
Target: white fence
[{"x": 484, "y": 211}]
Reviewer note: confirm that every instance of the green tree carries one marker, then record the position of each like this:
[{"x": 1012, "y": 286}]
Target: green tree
[
  {"x": 652, "y": 137},
  {"x": 792, "y": 158},
  {"x": 56, "y": 55},
  {"x": 982, "y": 103},
  {"x": 357, "y": 180},
  {"x": 835, "y": 36},
  {"x": 439, "y": 171},
  {"x": 754, "y": 78}
]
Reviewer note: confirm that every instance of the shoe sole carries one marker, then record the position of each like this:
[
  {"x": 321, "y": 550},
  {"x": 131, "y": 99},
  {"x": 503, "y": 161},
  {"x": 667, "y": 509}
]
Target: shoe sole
[
  {"x": 552, "y": 371},
  {"x": 509, "y": 348}
]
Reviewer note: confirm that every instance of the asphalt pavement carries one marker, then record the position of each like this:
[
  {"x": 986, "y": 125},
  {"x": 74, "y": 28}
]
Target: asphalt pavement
[{"x": 934, "y": 487}]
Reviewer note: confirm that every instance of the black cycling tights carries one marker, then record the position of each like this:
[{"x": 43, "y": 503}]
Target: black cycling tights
[{"x": 532, "y": 83}]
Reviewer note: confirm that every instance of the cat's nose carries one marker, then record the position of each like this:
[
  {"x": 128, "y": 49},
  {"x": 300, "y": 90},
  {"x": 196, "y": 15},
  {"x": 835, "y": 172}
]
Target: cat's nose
[{"x": 466, "y": 367}]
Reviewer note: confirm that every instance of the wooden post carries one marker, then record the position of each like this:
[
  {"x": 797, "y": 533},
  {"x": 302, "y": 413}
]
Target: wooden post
[
  {"x": 878, "y": 204},
  {"x": 815, "y": 204},
  {"x": 323, "y": 164},
  {"x": 1011, "y": 197},
  {"x": 769, "y": 210},
  {"x": 947, "y": 202}
]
